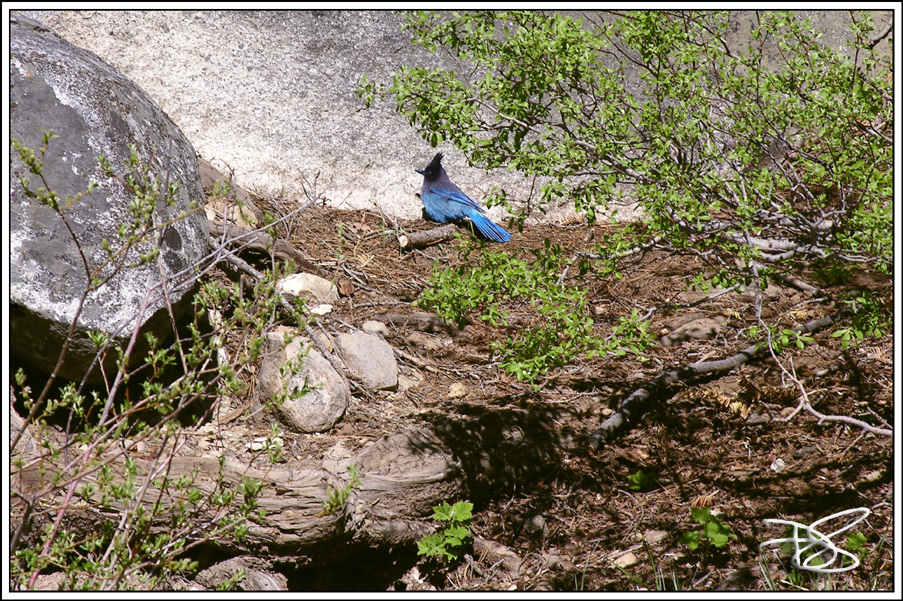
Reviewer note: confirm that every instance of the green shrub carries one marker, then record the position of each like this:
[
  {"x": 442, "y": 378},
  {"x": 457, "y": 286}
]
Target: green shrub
[
  {"x": 448, "y": 541},
  {"x": 714, "y": 532},
  {"x": 549, "y": 321},
  {"x": 759, "y": 167}
]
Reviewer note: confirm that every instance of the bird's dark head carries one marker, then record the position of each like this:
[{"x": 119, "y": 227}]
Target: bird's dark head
[{"x": 432, "y": 171}]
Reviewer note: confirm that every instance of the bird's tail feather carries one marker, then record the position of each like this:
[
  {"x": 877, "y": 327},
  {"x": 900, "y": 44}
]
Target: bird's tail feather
[{"x": 489, "y": 228}]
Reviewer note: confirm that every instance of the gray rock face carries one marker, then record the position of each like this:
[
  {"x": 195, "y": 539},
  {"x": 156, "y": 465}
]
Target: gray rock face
[
  {"x": 95, "y": 111},
  {"x": 327, "y": 396},
  {"x": 271, "y": 93}
]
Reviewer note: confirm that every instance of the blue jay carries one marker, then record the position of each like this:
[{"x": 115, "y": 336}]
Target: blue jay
[{"x": 443, "y": 201}]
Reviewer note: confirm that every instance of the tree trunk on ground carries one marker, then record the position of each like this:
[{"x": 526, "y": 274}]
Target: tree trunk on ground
[{"x": 402, "y": 476}]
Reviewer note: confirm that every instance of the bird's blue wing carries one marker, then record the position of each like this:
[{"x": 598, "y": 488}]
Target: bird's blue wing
[
  {"x": 454, "y": 204},
  {"x": 457, "y": 196},
  {"x": 443, "y": 205}
]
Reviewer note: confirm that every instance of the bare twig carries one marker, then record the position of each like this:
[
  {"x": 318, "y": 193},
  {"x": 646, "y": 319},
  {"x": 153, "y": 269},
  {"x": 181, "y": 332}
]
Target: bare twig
[
  {"x": 633, "y": 407},
  {"x": 804, "y": 404}
]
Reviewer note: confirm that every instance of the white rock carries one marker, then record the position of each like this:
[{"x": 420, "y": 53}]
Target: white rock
[
  {"x": 309, "y": 287},
  {"x": 628, "y": 559},
  {"x": 321, "y": 309},
  {"x": 457, "y": 391}
]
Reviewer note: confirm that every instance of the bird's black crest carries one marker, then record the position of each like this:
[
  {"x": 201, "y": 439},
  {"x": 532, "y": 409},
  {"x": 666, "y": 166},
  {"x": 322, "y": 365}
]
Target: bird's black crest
[{"x": 432, "y": 171}]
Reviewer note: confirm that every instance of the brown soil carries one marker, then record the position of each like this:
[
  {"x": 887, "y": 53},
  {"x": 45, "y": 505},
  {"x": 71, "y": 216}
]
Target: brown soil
[{"x": 567, "y": 513}]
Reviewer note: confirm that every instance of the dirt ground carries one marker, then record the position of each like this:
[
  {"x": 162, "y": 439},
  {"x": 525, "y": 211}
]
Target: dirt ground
[{"x": 565, "y": 517}]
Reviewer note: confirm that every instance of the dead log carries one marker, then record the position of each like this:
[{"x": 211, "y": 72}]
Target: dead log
[
  {"x": 414, "y": 240},
  {"x": 402, "y": 476}
]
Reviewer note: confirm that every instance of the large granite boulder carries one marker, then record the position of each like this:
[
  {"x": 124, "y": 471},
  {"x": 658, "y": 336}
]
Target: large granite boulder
[{"x": 94, "y": 111}]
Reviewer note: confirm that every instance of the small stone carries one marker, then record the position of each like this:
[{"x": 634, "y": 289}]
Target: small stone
[
  {"x": 804, "y": 452},
  {"x": 321, "y": 309},
  {"x": 703, "y": 328},
  {"x": 424, "y": 341},
  {"x": 346, "y": 288},
  {"x": 535, "y": 525},
  {"x": 337, "y": 452},
  {"x": 636, "y": 376},
  {"x": 406, "y": 381},
  {"x": 654, "y": 536},
  {"x": 628, "y": 559},
  {"x": 778, "y": 465},
  {"x": 553, "y": 561},
  {"x": 369, "y": 358},
  {"x": 692, "y": 296},
  {"x": 457, "y": 391},
  {"x": 310, "y": 287},
  {"x": 872, "y": 476},
  {"x": 375, "y": 327},
  {"x": 757, "y": 419},
  {"x": 326, "y": 394},
  {"x": 771, "y": 292},
  {"x": 260, "y": 443}
]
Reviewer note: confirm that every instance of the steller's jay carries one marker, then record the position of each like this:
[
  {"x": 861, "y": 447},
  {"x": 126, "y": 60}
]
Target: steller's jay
[{"x": 444, "y": 202}]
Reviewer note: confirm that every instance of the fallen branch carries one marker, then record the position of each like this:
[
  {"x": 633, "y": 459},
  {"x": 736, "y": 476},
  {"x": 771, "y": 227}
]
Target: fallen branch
[
  {"x": 414, "y": 240},
  {"x": 804, "y": 404},
  {"x": 259, "y": 240},
  {"x": 424, "y": 322},
  {"x": 634, "y": 406}
]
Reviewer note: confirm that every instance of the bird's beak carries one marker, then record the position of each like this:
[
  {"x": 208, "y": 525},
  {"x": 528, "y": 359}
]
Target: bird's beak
[{"x": 420, "y": 171}]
